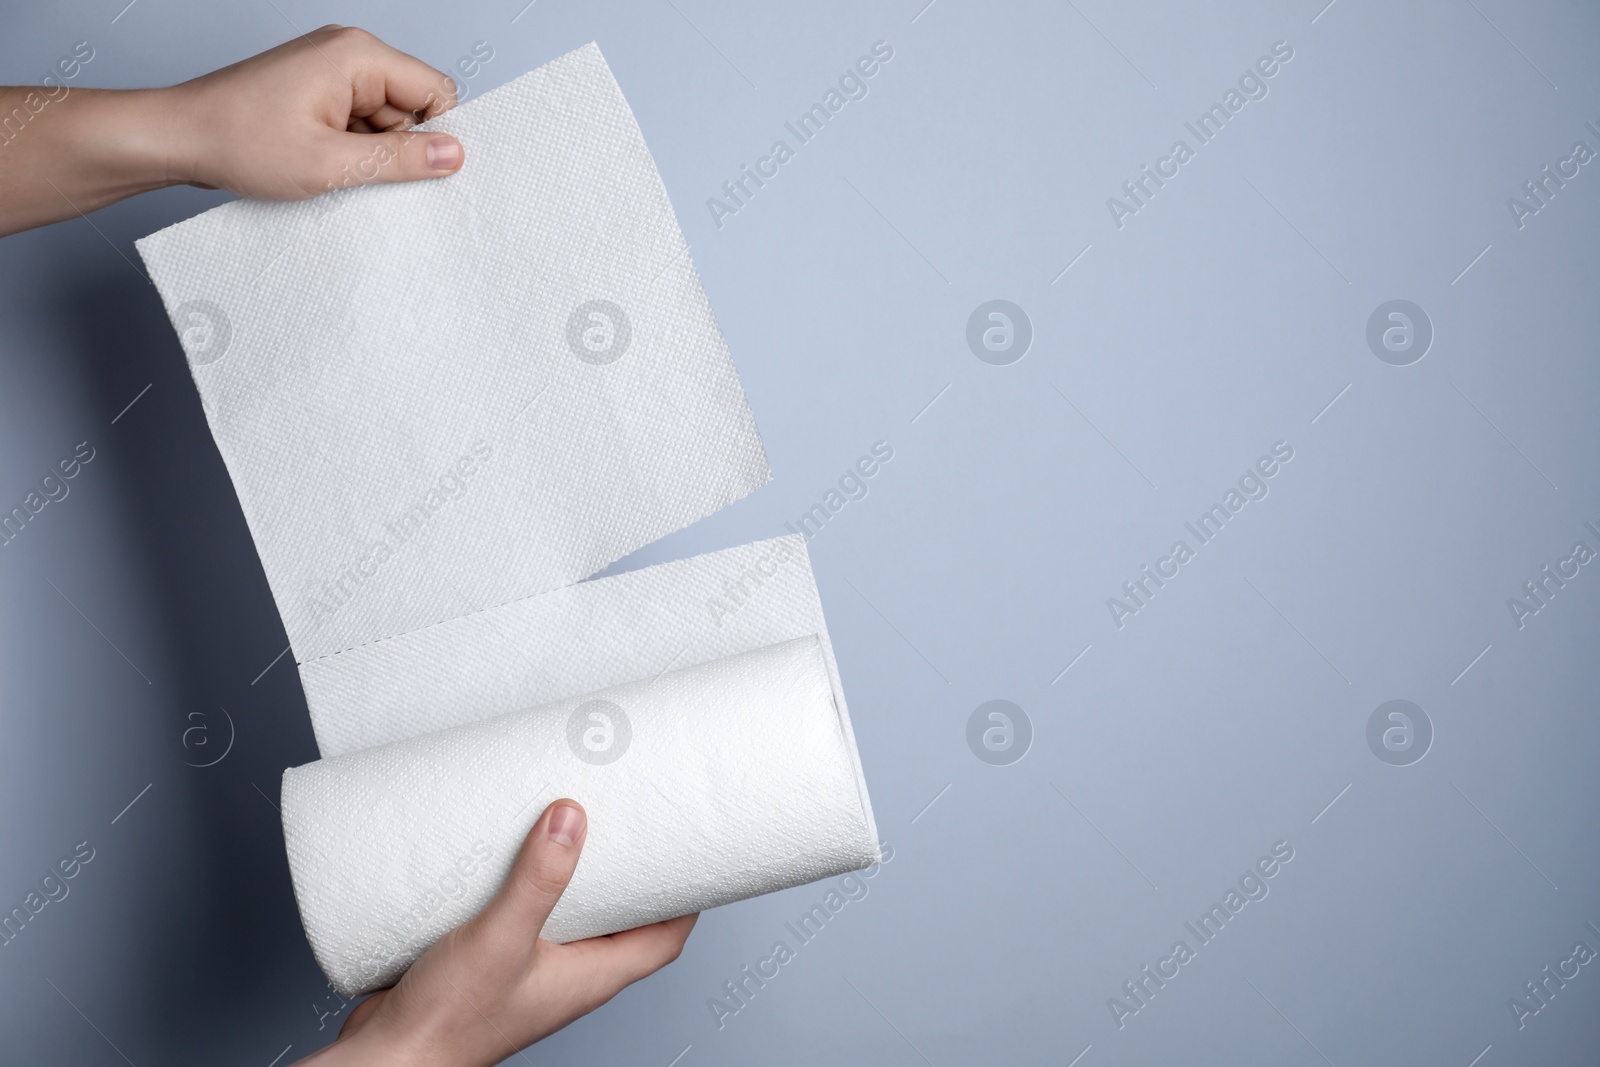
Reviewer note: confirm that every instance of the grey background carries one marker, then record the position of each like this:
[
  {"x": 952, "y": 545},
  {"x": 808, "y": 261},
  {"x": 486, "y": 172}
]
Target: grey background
[{"x": 1224, "y": 717}]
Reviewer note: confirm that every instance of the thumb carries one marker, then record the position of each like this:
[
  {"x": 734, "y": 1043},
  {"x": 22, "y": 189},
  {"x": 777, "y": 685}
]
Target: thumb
[
  {"x": 544, "y": 867},
  {"x": 394, "y": 156}
]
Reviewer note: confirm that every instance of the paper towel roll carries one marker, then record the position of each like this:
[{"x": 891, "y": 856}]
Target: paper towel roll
[{"x": 703, "y": 786}]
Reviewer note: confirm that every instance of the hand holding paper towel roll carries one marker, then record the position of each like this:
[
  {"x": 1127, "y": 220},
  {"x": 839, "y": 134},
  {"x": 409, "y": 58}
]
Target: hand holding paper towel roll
[{"x": 703, "y": 786}]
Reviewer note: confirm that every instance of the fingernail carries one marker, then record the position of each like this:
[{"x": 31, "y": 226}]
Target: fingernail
[
  {"x": 444, "y": 153},
  {"x": 566, "y": 823}
]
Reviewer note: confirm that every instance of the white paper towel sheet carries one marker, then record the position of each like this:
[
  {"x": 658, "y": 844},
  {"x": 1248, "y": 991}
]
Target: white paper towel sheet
[
  {"x": 410, "y": 383},
  {"x": 585, "y": 637},
  {"x": 734, "y": 778}
]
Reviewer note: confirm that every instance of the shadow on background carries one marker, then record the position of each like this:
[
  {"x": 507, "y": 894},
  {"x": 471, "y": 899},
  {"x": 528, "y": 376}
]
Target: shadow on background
[{"x": 222, "y": 936}]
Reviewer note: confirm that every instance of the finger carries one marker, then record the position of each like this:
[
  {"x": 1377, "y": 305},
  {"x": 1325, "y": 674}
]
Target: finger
[
  {"x": 387, "y": 117},
  {"x": 543, "y": 868},
  {"x": 359, "y": 1014},
  {"x": 382, "y": 75},
  {"x": 396, "y": 156},
  {"x": 621, "y": 959}
]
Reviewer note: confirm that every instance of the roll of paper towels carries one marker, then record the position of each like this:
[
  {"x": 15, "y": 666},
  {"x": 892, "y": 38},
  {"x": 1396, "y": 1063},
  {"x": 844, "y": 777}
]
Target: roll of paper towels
[{"x": 704, "y": 786}]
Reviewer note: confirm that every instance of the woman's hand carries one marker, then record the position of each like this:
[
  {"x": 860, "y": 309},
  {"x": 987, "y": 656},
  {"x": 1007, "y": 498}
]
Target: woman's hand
[
  {"x": 490, "y": 986},
  {"x": 327, "y": 110}
]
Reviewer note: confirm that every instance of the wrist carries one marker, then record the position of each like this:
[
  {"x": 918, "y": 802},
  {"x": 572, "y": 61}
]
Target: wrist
[
  {"x": 130, "y": 141},
  {"x": 157, "y": 140},
  {"x": 362, "y": 1044},
  {"x": 361, "y": 1050}
]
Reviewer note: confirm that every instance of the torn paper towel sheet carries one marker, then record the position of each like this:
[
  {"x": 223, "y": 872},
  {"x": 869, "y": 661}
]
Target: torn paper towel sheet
[
  {"x": 438, "y": 396},
  {"x": 705, "y": 785},
  {"x": 575, "y": 640}
]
